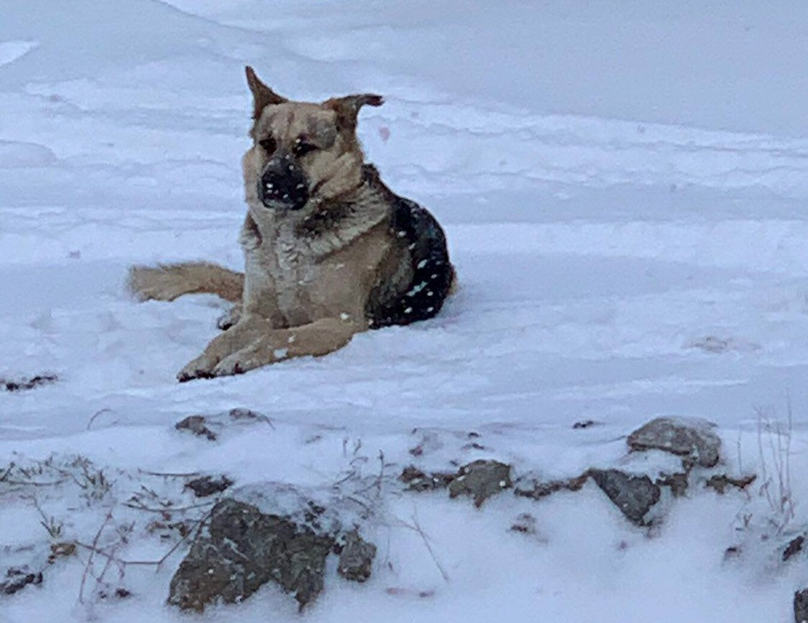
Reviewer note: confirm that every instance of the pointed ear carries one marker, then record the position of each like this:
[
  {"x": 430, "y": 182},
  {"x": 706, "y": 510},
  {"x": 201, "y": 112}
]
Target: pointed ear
[
  {"x": 348, "y": 107},
  {"x": 262, "y": 94}
]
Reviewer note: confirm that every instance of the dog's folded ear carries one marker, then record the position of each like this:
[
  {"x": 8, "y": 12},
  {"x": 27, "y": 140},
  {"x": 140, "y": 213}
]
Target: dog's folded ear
[
  {"x": 348, "y": 107},
  {"x": 262, "y": 94}
]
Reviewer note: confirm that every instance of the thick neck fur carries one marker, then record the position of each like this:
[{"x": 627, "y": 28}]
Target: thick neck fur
[{"x": 320, "y": 228}]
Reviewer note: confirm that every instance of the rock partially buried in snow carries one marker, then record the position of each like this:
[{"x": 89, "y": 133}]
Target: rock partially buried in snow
[
  {"x": 529, "y": 486},
  {"x": 18, "y": 578},
  {"x": 356, "y": 557},
  {"x": 240, "y": 549},
  {"x": 197, "y": 424},
  {"x": 207, "y": 485},
  {"x": 416, "y": 480},
  {"x": 801, "y": 606},
  {"x": 481, "y": 479},
  {"x": 633, "y": 495},
  {"x": 692, "y": 438}
]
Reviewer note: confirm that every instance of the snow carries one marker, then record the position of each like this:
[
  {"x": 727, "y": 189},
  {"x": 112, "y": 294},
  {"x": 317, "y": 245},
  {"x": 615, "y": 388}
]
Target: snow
[{"x": 622, "y": 185}]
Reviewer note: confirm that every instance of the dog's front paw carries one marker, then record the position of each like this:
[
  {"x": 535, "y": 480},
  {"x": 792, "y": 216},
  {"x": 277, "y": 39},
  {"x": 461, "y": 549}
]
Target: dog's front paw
[
  {"x": 254, "y": 356},
  {"x": 199, "y": 368}
]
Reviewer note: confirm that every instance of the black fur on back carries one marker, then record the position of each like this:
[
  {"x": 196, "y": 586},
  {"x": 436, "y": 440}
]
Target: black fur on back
[{"x": 432, "y": 272}]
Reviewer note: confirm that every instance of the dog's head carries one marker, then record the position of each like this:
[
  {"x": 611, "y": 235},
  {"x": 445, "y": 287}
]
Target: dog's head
[{"x": 303, "y": 153}]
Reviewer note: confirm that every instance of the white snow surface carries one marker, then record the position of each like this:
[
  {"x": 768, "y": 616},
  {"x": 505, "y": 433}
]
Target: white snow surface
[{"x": 623, "y": 187}]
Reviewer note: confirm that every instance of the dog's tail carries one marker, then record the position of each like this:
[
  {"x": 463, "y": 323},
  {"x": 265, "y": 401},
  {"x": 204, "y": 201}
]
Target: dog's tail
[{"x": 166, "y": 282}]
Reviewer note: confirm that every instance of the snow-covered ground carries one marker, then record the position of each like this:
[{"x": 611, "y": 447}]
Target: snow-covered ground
[{"x": 623, "y": 186}]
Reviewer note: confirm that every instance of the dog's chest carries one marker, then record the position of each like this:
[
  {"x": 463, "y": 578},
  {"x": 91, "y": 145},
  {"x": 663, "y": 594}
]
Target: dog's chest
[{"x": 289, "y": 279}]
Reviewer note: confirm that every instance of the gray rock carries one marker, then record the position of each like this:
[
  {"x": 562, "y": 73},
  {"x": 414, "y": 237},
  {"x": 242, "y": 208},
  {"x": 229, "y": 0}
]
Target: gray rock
[
  {"x": 688, "y": 437},
  {"x": 240, "y": 549},
  {"x": 207, "y": 485},
  {"x": 356, "y": 557},
  {"x": 481, "y": 479},
  {"x": 633, "y": 495},
  {"x": 801, "y": 606}
]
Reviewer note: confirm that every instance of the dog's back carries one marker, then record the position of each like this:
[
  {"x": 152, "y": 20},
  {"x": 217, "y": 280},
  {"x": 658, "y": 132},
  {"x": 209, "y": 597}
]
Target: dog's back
[{"x": 425, "y": 280}]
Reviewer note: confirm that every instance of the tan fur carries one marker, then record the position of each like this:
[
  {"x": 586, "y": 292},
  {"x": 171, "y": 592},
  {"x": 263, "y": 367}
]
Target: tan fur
[
  {"x": 168, "y": 281},
  {"x": 309, "y": 273}
]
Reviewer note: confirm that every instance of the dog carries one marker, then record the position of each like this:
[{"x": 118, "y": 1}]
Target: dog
[{"x": 330, "y": 251}]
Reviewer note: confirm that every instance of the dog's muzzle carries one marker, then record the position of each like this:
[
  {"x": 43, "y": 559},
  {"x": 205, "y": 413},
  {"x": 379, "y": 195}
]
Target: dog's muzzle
[{"x": 283, "y": 185}]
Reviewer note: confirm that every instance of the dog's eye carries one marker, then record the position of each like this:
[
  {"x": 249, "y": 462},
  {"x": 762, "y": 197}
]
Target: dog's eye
[
  {"x": 268, "y": 144},
  {"x": 302, "y": 148}
]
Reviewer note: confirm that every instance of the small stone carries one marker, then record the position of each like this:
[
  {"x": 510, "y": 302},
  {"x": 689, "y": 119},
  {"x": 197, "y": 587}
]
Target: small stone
[
  {"x": 801, "y": 606},
  {"x": 17, "y": 578},
  {"x": 356, "y": 557},
  {"x": 207, "y": 485},
  {"x": 481, "y": 479},
  {"x": 524, "y": 523},
  {"x": 197, "y": 425},
  {"x": 633, "y": 495},
  {"x": 61, "y": 550},
  {"x": 687, "y": 437},
  {"x": 794, "y": 547}
]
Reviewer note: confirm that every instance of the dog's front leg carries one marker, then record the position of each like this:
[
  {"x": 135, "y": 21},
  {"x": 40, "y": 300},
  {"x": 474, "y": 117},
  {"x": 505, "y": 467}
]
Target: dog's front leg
[
  {"x": 317, "y": 338},
  {"x": 248, "y": 331}
]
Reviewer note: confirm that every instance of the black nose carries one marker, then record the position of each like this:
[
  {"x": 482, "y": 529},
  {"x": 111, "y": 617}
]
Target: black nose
[{"x": 283, "y": 188}]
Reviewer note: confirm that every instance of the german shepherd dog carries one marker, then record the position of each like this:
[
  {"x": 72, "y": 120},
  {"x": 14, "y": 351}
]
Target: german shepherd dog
[{"x": 329, "y": 249}]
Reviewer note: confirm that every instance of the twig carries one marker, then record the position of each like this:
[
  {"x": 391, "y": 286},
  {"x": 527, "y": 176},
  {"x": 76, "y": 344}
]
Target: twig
[
  {"x": 417, "y": 527},
  {"x": 93, "y": 550},
  {"x": 167, "y": 509},
  {"x": 169, "y": 474},
  {"x": 95, "y": 415}
]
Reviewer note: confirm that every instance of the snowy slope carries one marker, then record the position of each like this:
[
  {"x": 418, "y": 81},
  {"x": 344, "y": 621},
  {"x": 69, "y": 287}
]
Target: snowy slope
[{"x": 623, "y": 188}]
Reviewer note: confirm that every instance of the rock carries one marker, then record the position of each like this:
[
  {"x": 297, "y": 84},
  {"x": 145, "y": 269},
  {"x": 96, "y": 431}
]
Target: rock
[
  {"x": 801, "y": 606},
  {"x": 26, "y": 383},
  {"x": 794, "y": 547},
  {"x": 720, "y": 482},
  {"x": 17, "y": 578},
  {"x": 240, "y": 549},
  {"x": 242, "y": 414},
  {"x": 633, "y": 495},
  {"x": 61, "y": 550},
  {"x": 197, "y": 425},
  {"x": 481, "y": 479},
  {"x": 688, "y": 437},
  {"x": 416, "y": 480},
  {"x": 531, "y": 487},
  {"x": 356, "y": 557},
  {"x": 524, "y": 523},
  {"x": 207, "y": 485}
]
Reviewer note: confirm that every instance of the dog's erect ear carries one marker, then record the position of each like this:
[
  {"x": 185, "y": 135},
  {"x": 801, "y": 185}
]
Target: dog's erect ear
[
  {"x": 262, "y": 94},
  {"x": 348, "y": 107}
]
